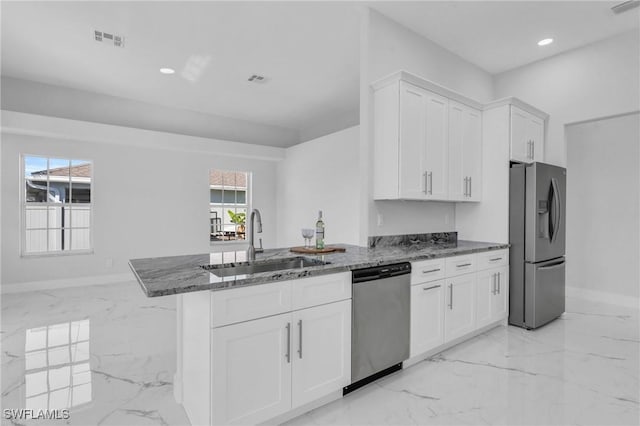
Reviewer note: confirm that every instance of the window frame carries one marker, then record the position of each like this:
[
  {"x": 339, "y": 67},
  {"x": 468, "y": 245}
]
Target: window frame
[
  {"x": 23, "y": 210},
  {"x": 248, "y": 203}
]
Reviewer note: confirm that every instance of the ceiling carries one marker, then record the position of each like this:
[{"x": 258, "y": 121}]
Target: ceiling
[
  {"x": 308, "y": 52},
  {"x": 501, "y": 35}
]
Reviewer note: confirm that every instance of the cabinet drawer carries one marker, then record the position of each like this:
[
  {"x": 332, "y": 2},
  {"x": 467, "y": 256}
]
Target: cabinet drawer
[
  {"x": 427, "y": 270},
  {"x": 243, "y": 304},
  {"x": 319, "y": 290},
  {"x": 458, "y": 265},
  {"x": 492, "y": 259}
]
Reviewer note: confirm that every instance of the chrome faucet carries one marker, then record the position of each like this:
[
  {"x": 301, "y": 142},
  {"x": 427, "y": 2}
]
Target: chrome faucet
[{"x": 251, "y": 251}]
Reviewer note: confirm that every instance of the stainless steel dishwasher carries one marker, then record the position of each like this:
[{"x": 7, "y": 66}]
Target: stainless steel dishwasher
[{"x": 380, "y": 322}]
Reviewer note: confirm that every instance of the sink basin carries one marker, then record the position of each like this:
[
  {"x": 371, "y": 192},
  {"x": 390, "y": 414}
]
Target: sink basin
[{"x": 242, "y": 268}]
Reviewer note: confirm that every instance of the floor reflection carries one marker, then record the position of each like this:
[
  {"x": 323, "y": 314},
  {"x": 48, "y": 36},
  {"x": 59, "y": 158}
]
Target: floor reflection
[{"x": 57, "y": 366}]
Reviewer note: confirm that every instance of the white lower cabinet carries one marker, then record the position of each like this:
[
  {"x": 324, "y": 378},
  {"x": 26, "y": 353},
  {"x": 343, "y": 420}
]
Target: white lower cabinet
[
  {"x": 492, "y": 296},
  {"x": 499, "y": 301},
  {"x": 427, "y": 304},
  {"x": 266, "y": 367},
  {"x": 251, "y": 376},
  {"x": 321, "y": 351},
  {"x": 472, "y": 295},
  {"x": 459, "y": 312},
  {"x": 485, "y": 288}
]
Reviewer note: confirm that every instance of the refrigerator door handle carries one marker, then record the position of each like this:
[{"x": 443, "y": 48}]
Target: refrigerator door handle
[
  {"x": 557, "y": 216},
  {"x": 553, "y": 265}
]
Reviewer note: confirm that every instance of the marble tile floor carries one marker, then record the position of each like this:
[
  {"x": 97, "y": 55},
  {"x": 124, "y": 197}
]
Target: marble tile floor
[{"x": 108, "y": 353}]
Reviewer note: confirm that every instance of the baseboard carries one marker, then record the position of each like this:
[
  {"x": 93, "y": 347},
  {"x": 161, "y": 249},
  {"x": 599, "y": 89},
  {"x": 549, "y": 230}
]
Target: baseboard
[
  {"x": 603, "y": 297},
  {"x": 177, "y": 388},
  {"x": 333, "y": 396},
  {"x": 9, "y": 288}
]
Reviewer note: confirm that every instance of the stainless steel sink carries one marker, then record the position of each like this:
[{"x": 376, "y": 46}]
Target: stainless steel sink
[{"x": 242, "y": 268}]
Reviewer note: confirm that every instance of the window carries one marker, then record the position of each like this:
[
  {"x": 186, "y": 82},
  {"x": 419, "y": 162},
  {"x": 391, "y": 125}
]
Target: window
[
  {"x": 228, "y": 204},
  {"x": 56, "y": 206}
]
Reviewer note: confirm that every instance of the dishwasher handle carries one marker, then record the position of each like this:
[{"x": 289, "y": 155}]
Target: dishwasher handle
[{"x": 380, "y": 272}]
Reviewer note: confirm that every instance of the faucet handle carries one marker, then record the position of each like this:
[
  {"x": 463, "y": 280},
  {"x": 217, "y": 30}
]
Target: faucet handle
[{"x": 259, "y": 249}]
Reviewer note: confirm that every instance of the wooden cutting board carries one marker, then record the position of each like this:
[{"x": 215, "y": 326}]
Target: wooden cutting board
[{"x": 313, "y": 250}]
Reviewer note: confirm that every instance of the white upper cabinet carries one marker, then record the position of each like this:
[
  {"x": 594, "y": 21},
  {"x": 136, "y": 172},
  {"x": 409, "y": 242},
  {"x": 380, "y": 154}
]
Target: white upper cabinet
[
  {"x": 465, "y": 153},
  {"x": 422, "y": 144},
  {"x": 527, "y": 136},
  {"x": 412, "y": 141}
]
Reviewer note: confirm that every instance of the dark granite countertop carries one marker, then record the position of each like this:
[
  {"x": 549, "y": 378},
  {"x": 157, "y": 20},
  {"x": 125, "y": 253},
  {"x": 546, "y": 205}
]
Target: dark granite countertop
[{"x": 162, "y": 276}]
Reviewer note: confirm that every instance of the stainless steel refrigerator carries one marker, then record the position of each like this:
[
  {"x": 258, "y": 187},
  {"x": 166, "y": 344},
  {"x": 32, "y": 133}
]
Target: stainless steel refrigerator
[{"x": 537, "y": 235}]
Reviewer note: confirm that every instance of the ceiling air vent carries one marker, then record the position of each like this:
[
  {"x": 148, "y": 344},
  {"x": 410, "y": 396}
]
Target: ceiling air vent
[
  {"x": 104, "y": 37},
  {"x": 257, "y": 78},
  {"x": 624, "y": 6}
]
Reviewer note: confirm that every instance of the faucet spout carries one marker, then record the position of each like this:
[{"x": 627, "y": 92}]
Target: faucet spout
[{"x": 251, "y": 250}]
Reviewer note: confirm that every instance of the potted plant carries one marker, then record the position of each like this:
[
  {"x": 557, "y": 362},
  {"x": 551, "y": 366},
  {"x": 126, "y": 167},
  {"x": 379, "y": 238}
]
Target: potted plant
[{"x": 239, "y": 219}]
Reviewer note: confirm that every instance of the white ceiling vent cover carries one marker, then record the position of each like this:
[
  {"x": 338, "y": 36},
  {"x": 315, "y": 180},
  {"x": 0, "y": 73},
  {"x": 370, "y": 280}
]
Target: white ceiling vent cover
[
  {"x": 110, "y": 38},
  {"x": 257, "y": 78},
  {"x": 625, "y": 6}
]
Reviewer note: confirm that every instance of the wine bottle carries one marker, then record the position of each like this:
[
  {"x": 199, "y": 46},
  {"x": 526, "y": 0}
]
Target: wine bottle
[{"x": 320, "y": 231}]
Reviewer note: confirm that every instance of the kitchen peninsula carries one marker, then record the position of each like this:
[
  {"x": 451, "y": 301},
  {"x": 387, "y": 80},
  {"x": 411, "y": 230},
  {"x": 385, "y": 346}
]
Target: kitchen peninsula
[{"x": 243, "y": 354}]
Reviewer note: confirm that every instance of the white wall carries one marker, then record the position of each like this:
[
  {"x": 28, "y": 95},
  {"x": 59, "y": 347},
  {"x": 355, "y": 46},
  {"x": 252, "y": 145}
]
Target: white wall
[
  {"x": 603, "y": 205},
  {"x": 146, "y": 195},
  {"x": 593, "y": 81},
  {"x": 321, "y": 174},
  {"x": 391, "y": 47}
]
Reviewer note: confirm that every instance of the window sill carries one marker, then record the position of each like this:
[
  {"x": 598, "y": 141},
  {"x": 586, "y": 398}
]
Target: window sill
[{"x": 56, "y": 254}]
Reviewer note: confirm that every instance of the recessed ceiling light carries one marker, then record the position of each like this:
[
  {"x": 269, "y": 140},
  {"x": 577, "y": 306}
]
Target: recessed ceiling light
[
  {"x": 545, "y": 41},
  {"x": 167, "y": 70}
]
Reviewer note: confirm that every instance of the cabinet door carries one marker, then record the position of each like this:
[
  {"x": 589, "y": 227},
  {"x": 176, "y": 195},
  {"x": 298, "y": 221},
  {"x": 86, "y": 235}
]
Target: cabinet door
[
  {"x": 413, "y": 127},
  {"x": 536, "y": 134},
  {"x": 486, "y": 288},
  {"x": 251, "y": 370},
  {"x": 499, "y": 300},
  {"x": 437, "y": 147},
  {"x": 520, "y": 135},
  {"x": 472, "y": 153},
  {"x": 460, "y": 304},
  {"x": 321, "y": 351},
  {"x": 427, "y": 316},
  {"x": 457, "y": 177},
  {"x": 465, "y": 153}
]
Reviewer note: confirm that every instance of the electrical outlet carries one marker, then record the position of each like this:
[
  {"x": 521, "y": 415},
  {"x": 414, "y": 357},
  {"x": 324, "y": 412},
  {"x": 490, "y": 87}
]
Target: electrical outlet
[{"x": 380, "y": 219}]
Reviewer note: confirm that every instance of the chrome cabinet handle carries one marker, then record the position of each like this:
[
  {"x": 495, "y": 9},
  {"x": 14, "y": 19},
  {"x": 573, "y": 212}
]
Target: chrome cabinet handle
[
  {"x": 430, "y": 270},
  {"x": 498, "y": 276},
  {"x": 533, "y": 149},
  {"x": 300, "y": 338},
  {"x": 465, "y": 186},
  {"x": 451, "y": 296},
  {"x": 495, "y": 259},
  {"x": 429, "y": 183},
  {"x": 426, "y": 184},
  {"x": 463, "y": 265},
  {"x": 430, "y": 288},
  {"x": 288, "y": 354},
  {"x": 493, "y": 284},
  {"x": 470, "y": 187}
]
